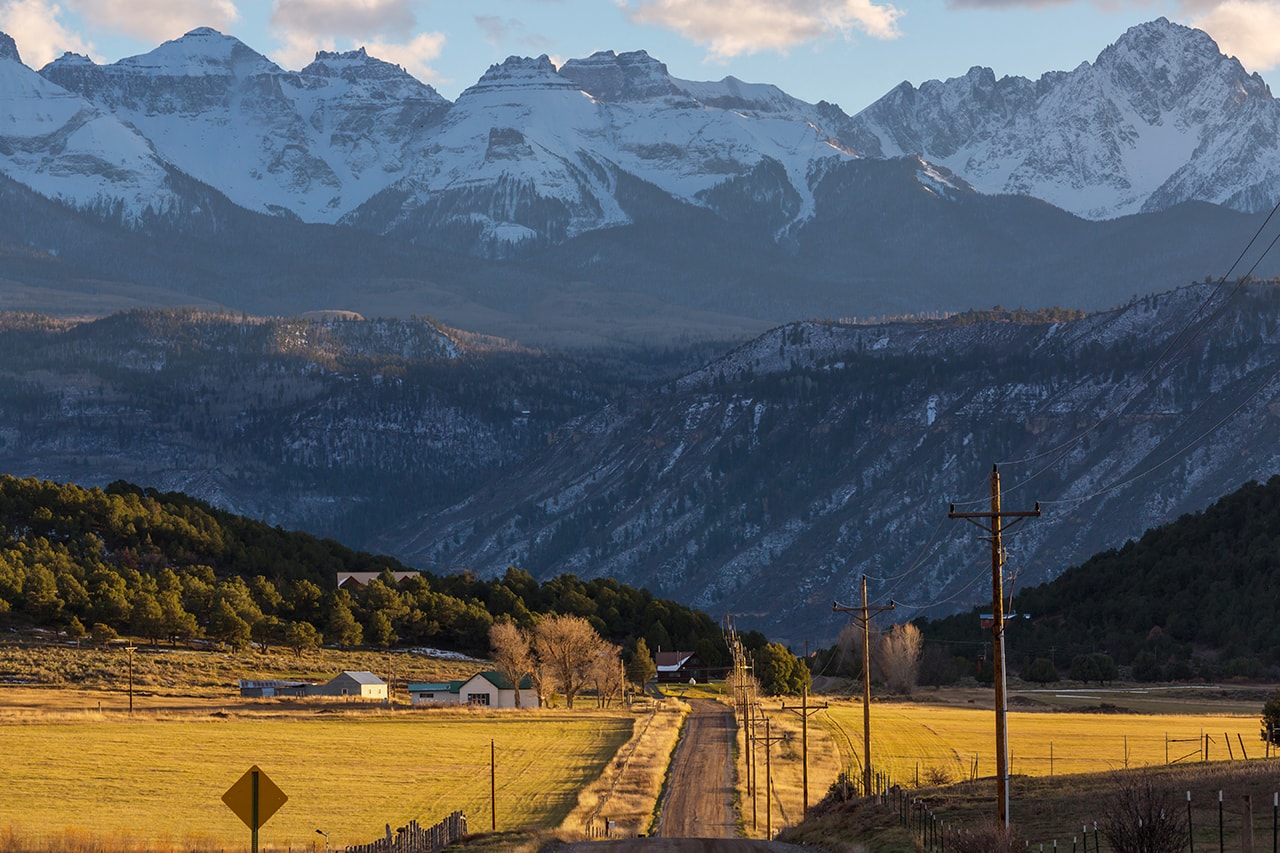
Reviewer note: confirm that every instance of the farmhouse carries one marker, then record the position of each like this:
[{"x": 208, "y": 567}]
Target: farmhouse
[
  {"x": 681, "y": 668},
  {"x": 494, "y": 690},
  {"x": 436, "y": 693},
  {"x": 360, "y": 685}
]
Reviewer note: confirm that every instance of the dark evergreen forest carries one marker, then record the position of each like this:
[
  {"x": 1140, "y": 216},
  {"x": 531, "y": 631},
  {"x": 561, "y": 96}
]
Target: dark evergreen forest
[{"x": 169, "y": 568}]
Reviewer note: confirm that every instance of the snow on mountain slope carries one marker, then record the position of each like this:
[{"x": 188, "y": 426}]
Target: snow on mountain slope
[
  {"x": 1159, "y": 118},
  {"x": 66, "y": 149},
  {"x": 531, "y": 153},
  {"x": 313, "y": 144}
]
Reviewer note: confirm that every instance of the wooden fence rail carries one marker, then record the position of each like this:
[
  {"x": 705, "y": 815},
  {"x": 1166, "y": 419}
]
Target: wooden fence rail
[{"x": 416, "y": 839}]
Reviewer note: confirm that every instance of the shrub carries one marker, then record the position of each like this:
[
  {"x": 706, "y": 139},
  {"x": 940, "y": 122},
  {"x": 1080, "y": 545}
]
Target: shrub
[
  {"x": 1141, "y": 818},
  {"x": 987, "y": 838}
]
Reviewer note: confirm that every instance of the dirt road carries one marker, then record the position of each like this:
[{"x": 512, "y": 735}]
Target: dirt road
[{"x": 697, "y": 814}]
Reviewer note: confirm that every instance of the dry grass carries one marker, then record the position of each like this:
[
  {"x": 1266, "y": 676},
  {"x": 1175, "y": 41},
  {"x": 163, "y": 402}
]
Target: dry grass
[
  {"x": 934, "y": 744},
  {"x": 785, "y": 767},
  {"x": 160, "y": 779},
  {"x": 182, "y": 677},
  {"x": 627, "y": 791}
]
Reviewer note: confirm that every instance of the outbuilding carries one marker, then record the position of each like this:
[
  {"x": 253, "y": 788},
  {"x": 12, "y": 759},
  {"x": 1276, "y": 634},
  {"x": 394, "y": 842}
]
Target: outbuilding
[
  {"x": 265, "y": 688},
  {"x": 681, "y": 668},
  {"x": 356, "y": 685},
  {"x": 436, "y": 693}
]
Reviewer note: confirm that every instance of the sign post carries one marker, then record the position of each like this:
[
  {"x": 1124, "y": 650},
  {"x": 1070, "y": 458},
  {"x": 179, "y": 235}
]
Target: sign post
[{"x": 254, "y": 798}]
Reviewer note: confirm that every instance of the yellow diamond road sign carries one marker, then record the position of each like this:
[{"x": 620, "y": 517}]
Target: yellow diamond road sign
[{"x": 240, "y": 798}]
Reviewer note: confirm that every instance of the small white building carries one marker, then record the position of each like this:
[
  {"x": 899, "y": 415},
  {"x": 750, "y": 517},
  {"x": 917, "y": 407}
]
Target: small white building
[
  {"x": 492, "y": 689},
  {"x": 435, "y": 693},
  {"x": 356, "y": 685}
]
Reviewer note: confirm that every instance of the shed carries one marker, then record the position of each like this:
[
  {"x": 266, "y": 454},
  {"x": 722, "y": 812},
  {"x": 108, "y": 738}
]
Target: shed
[
  {"x": 359, "y": 685},
  {"x": 265, "y": 688},
  {"x": 435, "y": 693},
  {"x": 494, "y": 690}
]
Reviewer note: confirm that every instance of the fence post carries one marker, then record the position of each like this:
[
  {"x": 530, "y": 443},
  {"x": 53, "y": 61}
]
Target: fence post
[
  {"x": 1246, "y": 825},
  {"x": 1191, "y": 833}
]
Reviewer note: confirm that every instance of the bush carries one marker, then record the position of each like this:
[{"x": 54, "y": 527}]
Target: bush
[
  {"x": 1141, "y": 818},
  {"x": 987, "y": 838},
  {"x": 1042, "y": 671}
]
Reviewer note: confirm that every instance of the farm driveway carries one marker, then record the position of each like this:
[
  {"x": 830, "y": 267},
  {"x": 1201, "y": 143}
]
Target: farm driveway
[{"x": 697, "y": 816}]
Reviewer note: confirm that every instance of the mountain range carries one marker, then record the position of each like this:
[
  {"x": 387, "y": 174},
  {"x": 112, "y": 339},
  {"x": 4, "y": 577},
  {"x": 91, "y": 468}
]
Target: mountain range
[
  {"x": 764, "y": 482},
  {"x": 621, "y": 203}
]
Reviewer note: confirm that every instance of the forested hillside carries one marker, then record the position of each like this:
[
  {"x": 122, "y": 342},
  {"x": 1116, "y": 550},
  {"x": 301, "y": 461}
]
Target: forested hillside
[
  {"x": 1193, "y": 598},
  {"x": 167, "y": 567}
]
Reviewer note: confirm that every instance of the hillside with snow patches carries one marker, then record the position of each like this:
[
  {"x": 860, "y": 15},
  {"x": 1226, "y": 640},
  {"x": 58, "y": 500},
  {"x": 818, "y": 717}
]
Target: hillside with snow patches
[
  {"x": 535, "y": 155},
  {"x": 768, "y": 482}
]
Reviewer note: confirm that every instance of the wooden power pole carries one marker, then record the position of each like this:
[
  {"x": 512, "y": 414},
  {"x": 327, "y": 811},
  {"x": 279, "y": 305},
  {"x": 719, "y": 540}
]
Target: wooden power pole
[
  {"x": 995, "y": 526},
  {"x": 863, "y": 616},
  {"x": 804, "y": 711}
]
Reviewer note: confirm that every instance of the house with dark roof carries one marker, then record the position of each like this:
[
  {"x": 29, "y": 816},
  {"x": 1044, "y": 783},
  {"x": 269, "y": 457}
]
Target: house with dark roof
[
  {"x": 681, "y": 668},
  {"x": 492, "y": 689}
]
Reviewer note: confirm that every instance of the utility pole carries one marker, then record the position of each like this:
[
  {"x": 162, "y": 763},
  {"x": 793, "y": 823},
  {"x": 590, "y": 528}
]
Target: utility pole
[
  {"x": 804, "y": 711},
  {"x": 767, "y": 741},
  {"x": 863, "y": 616},
  {"x": 995, "y": 526},
  {"x": 130, "y": 649}
]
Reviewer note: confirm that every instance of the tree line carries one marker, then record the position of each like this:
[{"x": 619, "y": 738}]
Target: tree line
[
  {"x": 1192, "y": 599},
  {"x": 169, "y": 568}
]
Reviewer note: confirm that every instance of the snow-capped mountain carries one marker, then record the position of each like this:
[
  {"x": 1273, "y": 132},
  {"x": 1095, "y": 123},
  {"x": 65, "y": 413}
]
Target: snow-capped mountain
[
  {"x": 1161, "y": 117},
  {"x": 313, "y": 144},
  {"x": 67, "y": 149},
  {"x": 533, "y": 155}
]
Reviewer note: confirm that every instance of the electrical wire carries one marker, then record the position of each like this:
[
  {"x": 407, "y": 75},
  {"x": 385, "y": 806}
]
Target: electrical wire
[{"x": 1180, "y": 340}]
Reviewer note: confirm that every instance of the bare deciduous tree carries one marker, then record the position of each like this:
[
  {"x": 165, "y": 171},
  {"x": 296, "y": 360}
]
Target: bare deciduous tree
[
  {"x": 566, "y": 646},
  {"x": 899, "y": 657},
  {"x": 607, "y": 674},
  {"x": 511, "y": 654}
]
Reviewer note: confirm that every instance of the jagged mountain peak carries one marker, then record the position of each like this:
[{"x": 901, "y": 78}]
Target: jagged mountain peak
[
  {"x": 9, "y": 48},
  {"x": 520, "y": 72},
  {"x": 620, "y": 77},
  {"x": 358, "y": 67}
]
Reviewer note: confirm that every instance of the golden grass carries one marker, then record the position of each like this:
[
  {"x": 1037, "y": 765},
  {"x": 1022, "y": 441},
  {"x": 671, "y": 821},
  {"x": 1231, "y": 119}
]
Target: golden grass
[
  {"x": 783, "y": 803},
  {"x": 628, "y": 790},
  {"x": 159, "y": 779},
  {"x": 180, "y": 677},
  {"x": 941, "y": 743}
]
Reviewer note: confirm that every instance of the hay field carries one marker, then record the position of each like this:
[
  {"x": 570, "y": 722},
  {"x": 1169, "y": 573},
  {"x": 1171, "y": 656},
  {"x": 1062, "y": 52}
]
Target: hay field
[
  {"x": 157, "y": 779},
  {"x": 939, "y": 744}
]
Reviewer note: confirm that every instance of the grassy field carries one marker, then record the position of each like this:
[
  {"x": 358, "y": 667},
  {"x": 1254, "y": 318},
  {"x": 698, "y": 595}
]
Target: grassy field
[
  {"x": 918, "y": 744},
  {"x": 160, "y": 777}
]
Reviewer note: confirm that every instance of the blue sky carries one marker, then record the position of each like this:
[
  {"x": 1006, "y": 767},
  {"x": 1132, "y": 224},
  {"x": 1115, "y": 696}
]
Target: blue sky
[{"x": 846, "y": 51}]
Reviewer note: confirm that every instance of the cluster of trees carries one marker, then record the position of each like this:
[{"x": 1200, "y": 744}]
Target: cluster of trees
[
  {"x": 895, "y": 654},
  {"x": 563, "y": 654},
  {"x": 1192, "y": 599},
  {"x": 168, "y": 567}
]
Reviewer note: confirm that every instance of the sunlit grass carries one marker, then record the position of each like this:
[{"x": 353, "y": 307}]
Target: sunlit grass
[
  {"x": 162, "y": 779},
  {"x": 935, "y": 743}
]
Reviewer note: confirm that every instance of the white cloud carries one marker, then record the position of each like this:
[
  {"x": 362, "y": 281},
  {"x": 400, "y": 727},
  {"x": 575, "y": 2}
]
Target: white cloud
[
  {"x": 354, "y": 18},
  {"x": 41, "y": 37},
  {"x": 156, "y": 20},
  {"x": 414, "y": 57},
  {"x": 734, "y": 27},
  {"x": 1245, "y": 29}
]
